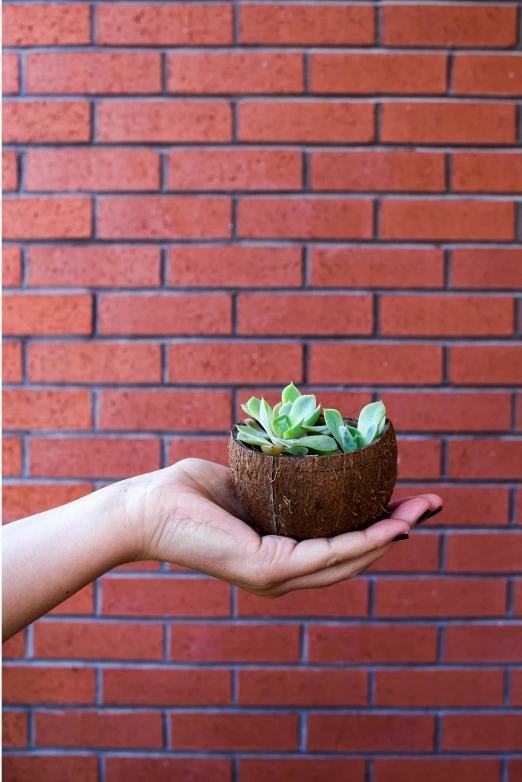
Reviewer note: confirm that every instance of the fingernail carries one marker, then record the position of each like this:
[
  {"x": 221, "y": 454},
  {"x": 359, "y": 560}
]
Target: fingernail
[
  {"x": 434, "y": 512},
  {"x": 424, "y": 516},
  {"x": 404, "y": 536}
]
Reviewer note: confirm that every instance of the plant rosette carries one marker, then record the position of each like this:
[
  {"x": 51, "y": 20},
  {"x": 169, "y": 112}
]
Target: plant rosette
[{"x": 304, "y": 474}]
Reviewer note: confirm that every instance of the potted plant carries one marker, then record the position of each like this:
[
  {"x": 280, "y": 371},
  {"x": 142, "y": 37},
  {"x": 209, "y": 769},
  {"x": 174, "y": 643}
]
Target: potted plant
[{"x": 304, "y": 474}]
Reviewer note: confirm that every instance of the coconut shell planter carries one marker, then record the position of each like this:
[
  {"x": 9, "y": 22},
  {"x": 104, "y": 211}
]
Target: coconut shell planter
[{"x": 304, "y": 474}]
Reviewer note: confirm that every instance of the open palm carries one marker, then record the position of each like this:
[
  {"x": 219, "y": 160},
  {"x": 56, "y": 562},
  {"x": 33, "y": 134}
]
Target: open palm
[{"x": 192, "y": 517}]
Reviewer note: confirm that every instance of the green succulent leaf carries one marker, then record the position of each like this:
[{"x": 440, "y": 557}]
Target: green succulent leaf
[
  {"x": 282, "y": 424},
  {"x": 272, "y": 450},
  {"x": 334, "y": 421},
  {"x": 252, "y": 407},
  {"x": 348, "y": 443},
  {"x": 303, "y": 408},
  {"x": 266, "y": 417},
  {"x": 285, "y": 409},
  {"x": 296, "y": 450},
  {"x": 294, "y": 431},
  {"x": 253, "y": 431},
  {"x": 277, "y": 409},
  {"x": 357, "y": 436},
  {"x": 290, "y": 394},
  {"x": 371, "y": 433},
  {"x": 322, "y": 443},
  {"x": 382, "y": 425},
  {"x": 316, "y": 429},
  {"x": 371, "y": 414},
  {"x": 250, "y": 439},
  {"x": 313, "y": 418}
]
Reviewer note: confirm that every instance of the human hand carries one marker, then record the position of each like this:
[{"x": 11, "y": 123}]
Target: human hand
[{"x": 189, "y": 514}]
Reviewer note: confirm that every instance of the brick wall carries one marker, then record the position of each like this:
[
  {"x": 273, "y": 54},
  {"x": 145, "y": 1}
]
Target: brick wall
[{"x": 210, "y": 198}]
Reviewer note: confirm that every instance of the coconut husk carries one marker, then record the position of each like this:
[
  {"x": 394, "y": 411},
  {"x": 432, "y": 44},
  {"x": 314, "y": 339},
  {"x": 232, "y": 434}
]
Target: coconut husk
[{"x": 315, "y": 496}]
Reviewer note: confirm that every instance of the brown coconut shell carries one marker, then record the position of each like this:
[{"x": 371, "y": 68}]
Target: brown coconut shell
[{"x": 315, "y": 496}]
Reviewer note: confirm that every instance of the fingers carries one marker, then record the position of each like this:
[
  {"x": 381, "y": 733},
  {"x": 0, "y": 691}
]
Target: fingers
[{"x": 433, "y": 500}]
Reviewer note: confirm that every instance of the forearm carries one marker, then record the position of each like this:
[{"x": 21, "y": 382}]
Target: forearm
[{"x": 50, "y": 556}]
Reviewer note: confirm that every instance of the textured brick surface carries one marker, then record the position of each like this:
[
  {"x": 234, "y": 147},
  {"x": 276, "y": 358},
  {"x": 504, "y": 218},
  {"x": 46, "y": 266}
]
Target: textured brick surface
[{"x": 203, "y": 201}]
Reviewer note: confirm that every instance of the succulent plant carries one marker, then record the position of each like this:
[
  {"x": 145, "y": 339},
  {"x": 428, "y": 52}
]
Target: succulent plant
[{"x": 291, "y": 426}]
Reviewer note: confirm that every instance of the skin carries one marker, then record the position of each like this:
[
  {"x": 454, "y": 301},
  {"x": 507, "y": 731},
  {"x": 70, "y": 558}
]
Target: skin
[{"x": 187, "y": 514}]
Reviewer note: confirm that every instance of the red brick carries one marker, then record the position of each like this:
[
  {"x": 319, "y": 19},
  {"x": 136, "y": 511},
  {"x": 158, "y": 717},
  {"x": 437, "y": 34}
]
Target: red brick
[
  {"x": 9, "y": 171},
  {"x": 14, "y": 729},
  {"x": 167, "y": 769},
  {"x": 93, "y": 73},
  {"x": 360, "y": 171},
  {"x": 114, "y": 730},
  {"x": 441, "y": 597},
  {"x": 372, "y": 643},
  {"x": 95, "y": 266},
  {"x": 164, "y": 121},
  {"x": 293, "y": 24},
  {"x": 370, "y": 733},
  {"x": 234, "y": 169},
  {"x": 438, "y": 220},
  {"x": 488, "y": 643},
  {"x": 235, "y": 267},
  {"x": 466, "y": 506},
  {"x": 10, "y": 74},
  {"x": 365, "y": 267},
  {"x": 482, "y": 732},
  {"x": 171, "y": 410},
  {"x": 305, "y": 314},
  {"x": 379, "y": 72},
  {"x": 349, "y": 403},
  {"x": 168, "y": 25},
  {"x": 94, "y": 362},
  {"x": 307, "y": 769},
  {"x": 490, "y": 74},
  {"x": 165, "y": 597},
  {"x": 213, "y": 449},
  {"x": 487, "y": 553},
  {"x": 167, "y": 217},
  {"x": 448, "y": 123},
  {"x": 300, "y": 121},
  {"x": 41, "y": 122},
  {"x": 46, "y": 24},
  {"x": 515, "y": 770},
  {"x": 235, "y": 72},
  {"x": 47, "y": 218},
  {"x": 160, "y": 687},
  {"x": 462, "y": 316},
  {"x": 11, "y": 456},
  {"x": 12, "y": 371},
  {"x": 101, "y": 457},
  {"x": 92, "y": 169},
  {"x": 487, "y": 268},
  {"x": 220, "y": 362},
  {"x": 51, "y": 768},
  {"x": 31, "y": 314},
  {"x": 42, "y": 684},
  {"x": 516, "y": 688},
  {"x": 348, "y": 598},
  {"x": 81, "y": 602},
  {"x": 11, "y": 266},
  {"x": 419, "y": 459},
  {"x": 166, "y": 314},
  {"x": 303, "y": 687},
  {"x": 235, "y": 643},
  {"x": 307, "y": 218},
  {"x": 487, "y": 172},
  {"x": 421, "y": 556},
  {"x": 98, "y": 640},
  {"x": 440, "y": 412},
  {"x": 486, "y": 459},
  {"x": 457, "y": 25},
  {"x": 15, "y": 647},
  {"x": 235, "y": 732},
  {"x": 436, "y": 769},
  {"x": 486, "y": 365},
  {"x": 36, "y": 409},
  {"x": 417, "y": 689},
  {"x": 375, "y": 363}
]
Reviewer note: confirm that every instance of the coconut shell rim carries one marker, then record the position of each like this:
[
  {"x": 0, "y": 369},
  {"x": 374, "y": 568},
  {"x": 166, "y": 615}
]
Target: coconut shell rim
[{"x": 309, "y": 455}]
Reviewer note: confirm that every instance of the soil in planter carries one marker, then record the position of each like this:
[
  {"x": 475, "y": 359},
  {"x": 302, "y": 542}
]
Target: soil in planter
[{"x": 315, "y": 496}]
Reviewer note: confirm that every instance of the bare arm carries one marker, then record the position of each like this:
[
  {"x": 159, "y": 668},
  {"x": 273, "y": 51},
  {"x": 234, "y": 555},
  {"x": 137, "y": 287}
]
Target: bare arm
[{"x": 187, "y": 514}]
